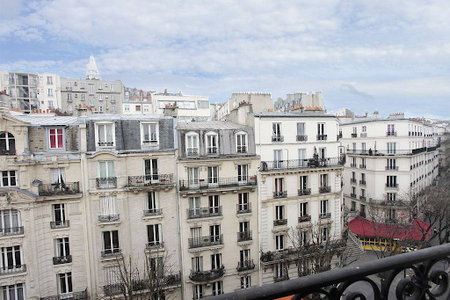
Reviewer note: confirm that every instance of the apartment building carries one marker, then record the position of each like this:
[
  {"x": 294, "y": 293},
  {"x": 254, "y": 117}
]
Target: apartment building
[
  {"x": 49, "y": 92},
  {"x": 137, "y": 102},
  {"x": 217, "y": 169},
  {"x": 189, "y": 107},
  {"x": 22, "y": 88},
  {"x": 42, "y": 228},
  {"x": 259, "y": 101},
  {"x": 388, "y": 162},
  {"x": 299, "y": 187}
]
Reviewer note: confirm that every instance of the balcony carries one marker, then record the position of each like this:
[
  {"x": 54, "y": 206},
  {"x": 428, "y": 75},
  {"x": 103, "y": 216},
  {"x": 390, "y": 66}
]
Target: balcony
[
  {"x": 192, "y": 152},
  {"x": 241, "y": 149},
  {"x": 202, "y": 276},
  {"x": 280, "y": 194},
  {"x": 69, "y": 296},
  {"x": 354, "y": 135},
  {"x": 13, "y": 269},
  {"x": 305, "y": 218},
  {"x": 106, "y": 144},
  {"x": 394, "y": 168},
  {"x": 60, "y": 224},
  {"x": 301, "y": 164},
  {"x": 245, "y": 265},
  {"x": 7, "y": 152},
  {"x": 353, "y": 180},
  {"x": 57, "y": 189},
  {"x": 204, "y": 212},
  {"x": 321, "y": 137},
  {"x": 353, "y": 196},
  {"x": 8, "y": 231},
  {"x": 363, "y": 134},
  {"x": 279, "y": 222},
  {"x": 152, "y": 212},
  {"x": 362, "y": 198},
  {"x": 154, "y": 181},
  {"x": 108, "y": 218},
  {"x": 205, "y": 241},
  {"x": 325, "y": 189},
  {"x": 212, "y": 150},
  {"x": 391, "y": 186},
  {"x": 353, "y": 165},
  {"x": 302, "y": 138},
  {"x": 325, "y": 215},
  {"x": 154, "y": 246},
  {"x": 281, "y": 278},
  {"x": 106, "y": 183},
  {"x": 426, "y": 279},
  {"x": 243, "y": 236},
  {"x": 243, "y": 208},
  {"x": 111, "y": 253},
  {"x": 304, "y": 192},
  {"x": 224, "y": 182},
  {"x": 362, "y": 182},
  {"x": 391, "y": 133},
  {"x": 277, "y": 138},
  {"x": 362, "y": 166},
  {"x": 59, "y": 260}
]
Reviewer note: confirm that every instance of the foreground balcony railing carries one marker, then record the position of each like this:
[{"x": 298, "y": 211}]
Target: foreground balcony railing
[
  {"x": 56, "y": 189},
  {"x": 201, "y": 276},
  {"x": 11, "y": 231},
  {"x": 154, "y": 180},
  {"x": 108, "y": 218},
  {"x": 244, "y": 208},
  {"x": 301, "y": 163},
  {"x": 245, "y": 265},
  {"x": 205, "y": 241},
  {"x": 243, "y": 236},
  {"x": 13, "y": 269},
  {"x": 106, "y": 182},
  {"x": 428, "y": 279},
  {"x": 83, "y": 295},
  {"x": 59, "y": 224},
  {"x": 58, "y": 260},
  {"x": 223, "y": 182},
  {"x": 204, "y": 212},
  {"x": 303, "y": 192}
]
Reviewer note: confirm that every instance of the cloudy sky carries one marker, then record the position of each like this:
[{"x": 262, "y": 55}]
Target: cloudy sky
[{"x": 391, "y": 56}]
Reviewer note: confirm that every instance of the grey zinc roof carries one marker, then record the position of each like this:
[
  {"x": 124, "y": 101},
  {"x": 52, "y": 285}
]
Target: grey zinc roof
[
  {"x": 209, "y": 125},
  {"x": 282, "y": 114},
  {"x": 113, "y": 117},
  {"x": 40, "y": 120}
]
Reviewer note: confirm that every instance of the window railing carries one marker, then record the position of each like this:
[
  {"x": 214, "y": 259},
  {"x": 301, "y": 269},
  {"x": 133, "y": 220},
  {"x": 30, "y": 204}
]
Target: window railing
[
  {"x": 362, "y": 166},
  {"x": 321, "y": 137},
  {"x": 391, "y": 133},
  {"x": 13, "y": 269},
  {"x": 7, "y": 152},
  {"x": 153, "y": 180},
  {"x": 391, "y": 185},
  {"x": 392, "y": 168},
  {"x": 59, "y": 224},
  {"x": 55, "y": 189},
  {"x": 204, "y": 212},
  {"x": 108, "y": 218},
  {"x": 277, "y": 138},
  {"x": 111, "y": 252},
  {"x": 201, "y": 276},
  {"x": 303, "y": 192},
  {"x": 426, "y": 279},
  {"x": 354, "y": 135},
  {"x": 243, "y": 236},
  {"x": 325, "y": 189},
  {"x": 353, "y": 196},
  {"x": 106, "y": 183},
  {"x": 222, "y": 182},
  {"x": 302, "y": 138},
  {"x": 325, "y": 215},
  {"x": 83, "y": 295},
  {"x": 280, "y": 194},
  {"x": 362, "y": 198},
  {"x": 241, "y": 149},
  {"x": 192, "y": 151},
  {"x": 204, "y": 241},
  {"x": 105, "y": 144},
  {"x": 152, "y": 212},
  {"x": 212, "y": 150},
  {"x": 243, "y": 208},
  {"x": 58, "y": 260},
  {"x": 11, "y": 231},
  {"x": 362, "y": 182},
  {"x": 245, "y": 265},
  {"x": 155, "y": 245},
  {"x": 305, "y": 218},
  {"x": 363, "y": 134},
  {"x": 352, "y": 180},
  {"x": 301, "y": 163},
  {"x": 279, "y": 222}
]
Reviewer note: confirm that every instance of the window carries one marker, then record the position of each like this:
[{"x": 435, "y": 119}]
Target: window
[
  {"x": 241, "y": 142},
  {"x": 323, "y": 180},
  {"x": 301, "y": 132},
  {"x": 197, "y": 263},
  {"x": 13, "y": 292},
  {"x": 7, "y": 143},
  {"x": 216, "y": 261},
  {"x": 126, "y": 108},
  {"x": 100, "y": 108},
  {"x": 324, "y": 234},
  {"x": 304, "y": 209},
  {"x": 191, "y": 144},
  {"x": 65, "y": 283},
  {"x": 69, "y": 97},
  {"x": 363, "y": 163},
  {"x": 49, "y": 80},
  {"x": 391, "y": 130},
  {"x": 100, "y": 85},
  {"x": 217, "y": 288},
  {"x": 9, "y": 222},
  {"x": 214, "y": 232},
  {"x": 363, "y": 178},
  {"x": 391, "y": 214},
  {"x": 243, "y": 205},
  {"x": 112, "y": 275},
  {"x": 353, "y": 206},
  {"x": 279, "y": 242},
  {"x": 50, "y": 104},
  {"x": 364, "y": 129},
  {"x": 82, "y": 85},
  {"x": 111, "y": 242},
  {"x": 279, "y": 185},
  {"x": 213, "y": 175},
  {"x": 363, "y": 148},
  {"x": 322, "y": 153},
  {"x": 391, "y": 181},
  {"x": 211, "y": 143},
  {"x": 57, "y": 176},
  {"x": 151, "y": 169},
  {"x": 9, "y": 178},
  {"x": 214, "y": 204},
  {"x": 194, "y": 207},
  {"x": 304, "y": 185},
  {"x": 193, "y": 176},
  {"x": 304, "y": 237},
  {"x": 391, "y": 164},
  {"x": 277, "y": 159},
  {"x": 391, "y": 148},
  {"x": 242, "y": 173},
  {"x": 106, "y": 176},
  {"x": 11, "y": 258},
  {"x": 246, "y": 282},
  {"x": 321, "y": 131},
  {"x": 149, "y": 133},
  {"x": 108, "y": 208},
  {"x": 391, "y": 197},
  {"x": 56, "y": 138},
  {"x": 113, "y": 87},
  {"x": 279, "y": 212},
  {"x": 244, "y": 227},
  {"x": 154, "y": 234},
  {"x": 50, "y": 92},
  {"x": 354, "y": 147},
  {"x": 276, "y": 132},
  {"x": 113, "y": 109},
  {"x": 280, "y": 271},
  {"x": 91, "y": 89},
  {"x": 59, "y": 215},
  {"x": 323, "y": 208},
  {"x": 202, "y": 104},
  {"x": 62, "y": 247},
  {"x": 198, "y": 291},
  {"x": 105, "y": 134},
  {"x": 152, "y": 202},
  {"x": 302, "y": 160}
]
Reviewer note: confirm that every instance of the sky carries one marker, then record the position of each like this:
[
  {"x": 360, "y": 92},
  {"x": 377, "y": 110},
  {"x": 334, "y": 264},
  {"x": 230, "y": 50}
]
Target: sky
[{"x": 390, "y": 56}]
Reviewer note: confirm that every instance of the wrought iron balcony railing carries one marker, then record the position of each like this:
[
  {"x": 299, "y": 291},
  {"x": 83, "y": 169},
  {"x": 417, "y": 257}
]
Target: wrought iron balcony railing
[
  {"x": 202, "y": 276},
  {"x": 352, "y": 180},
  {"x": 362, "y": 198},
  {"x": 56, "y": 189},
  {"x": 83, "y": 295},
  {"x": 106, "y": 182},
  {"x": 301, "y": 163},
  {"x": 243, "y": 236},
  {"x": 391, "y": 133},
  {"x": 105, "y": 144},
  {"x": 391, "y": 186},
  {"x": 243, "y": 208},
  {"x": 192, "y": 151},
  {"x": 305, "y": 218},
  {"x": 303, "y": 192},
  {"x": 58, "y": 260},
  {"x": 353, "y": 196},
  {"x": 154, "y": 180},
  {"x": 279, "y": 222},
  {"x": 354, "y": 135},
  {"x": 392, "y": 168},
  {"x": 241, "y": 149},
  {"x": 322, "y": 137},
  {"x": 204, "y": 212},
  {"x": 280, "y": 194},
  {"x": 152, "y": 212},
  {"x": 426, "y": 279},
  {"x": 325, "y": 189},
  {"x": 362, "y": 166},
  {"x": 108, "y": 218},
  {"x": 222, "y": 182},
  {"x": 353, "y": 165},
  {"x": 12, "y": 269},
  {"x": 11, "y": 231},
  {"x": 155, "y": 245},
  {"x": 245, "y": 265},
  {"x": 277, "y": 138},
  {"x": 325, "y": 215},
  {"x": 59, "y": 224},
  {"x": 112, "y": 290},
  {"x": 302, "y": 138},
  {"x": 362, "y": 182},
  {"x": 205, "y": 241},
  {"x": 212, "y": 150},
  {"x": 111, "y": 252}
]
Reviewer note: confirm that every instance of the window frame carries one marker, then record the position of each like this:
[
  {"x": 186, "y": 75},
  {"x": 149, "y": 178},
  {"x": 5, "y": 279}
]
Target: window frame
[
  {"x": 105, "y": 143},
  {"x": 59, "y": 137},
  {"x": 241, "y": 139},
  {"x": 194, "y": 150},
  {"x": 153, "y": 136}
]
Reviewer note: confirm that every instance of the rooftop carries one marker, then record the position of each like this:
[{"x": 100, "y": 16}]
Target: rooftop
[
  {"x": 279, "y": 114},
  {"x": 209, "y": 125}
]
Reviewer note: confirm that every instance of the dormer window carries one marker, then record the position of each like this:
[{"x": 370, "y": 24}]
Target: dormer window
[
  {"x": 149, "y": 134},
  {"x": 7, "y": 144},
  {"x": 211, "y": 143},
  {"x": 241, "y": 142},
  {"x": 105, "y": 134},
  {"x": 56, "y": 138},
  {"x": 192, "y": 144}
]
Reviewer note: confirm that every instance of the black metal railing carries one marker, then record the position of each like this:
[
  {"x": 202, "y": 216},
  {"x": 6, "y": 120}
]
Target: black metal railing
[
  {"x": 362, "y": 198},
  {"x": 302, "y": 138},
  {"x": 204, "y": 212},
  {"x": 152, "y": 212},
  {"x": 106, "y": 182},
  {"x": 280, "y": 194},
  {"x": 426, "y": 279},
  {"x": 245, "y": 265},
  {"x": 243, "y": 236},
  {"x": 192, "y": 151},
  {"x": 322, "y": 137},
  {"x": 154, "y": 180},
  {"x": 325, "y": 215},
  {"x": 56, "y": 189},
  {"x": 301, "y": 163},
  {"x": 59, "y": 224},
  {"x": 352, "y": 180},
  {"x": 362, "y": 166},
  {"x": 83, "y": 295},
  {"x": 12, "y": 269},
  {"x": 279, "y": 222},
  {"x": 354, "y": 135},
  {"x": 108, "y": 218},
  {"x": 111, "y": 252},
  {"x": 325, "y": 189},
  {"x": 391, "y": 168},
  {"x": 243, "y": 208},
  {"x": 155, "y": 245},
  {"x": 222, "y": 182},
  {"x": 212, "y": 150},
  {"x": 105, "y": 144},
  {"x": 362, "y": 182},
  {"x": 353, "y": 165},
  {"x": 305, "y": 218},
  {"x": 201, "y": 276},
  {"x": 241, "y": 149},
  {"x": 353, "y": 196},
  {"x": 363, "y": 134},
  {"x": 391, "y": 186},
  {"x": 205, "y": 241},
  {"x": 8, "y": 152},
  {"x": 391, "y": 133},
  {"x": 277, "y": 138},
  {"x": 303, "y": 192},
  {"x": 11, "y": 231},
  {"x": 159, "y": 280},
  {"x": 58, "y": 260}
]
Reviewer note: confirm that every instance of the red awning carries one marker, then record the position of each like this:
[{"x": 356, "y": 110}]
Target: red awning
[{"x": 414, "y": 231}]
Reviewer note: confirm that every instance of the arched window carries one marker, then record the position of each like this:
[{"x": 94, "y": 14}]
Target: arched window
[
  {"x": 241, "y": 142},
  {"x": 7, "y": 144}
]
